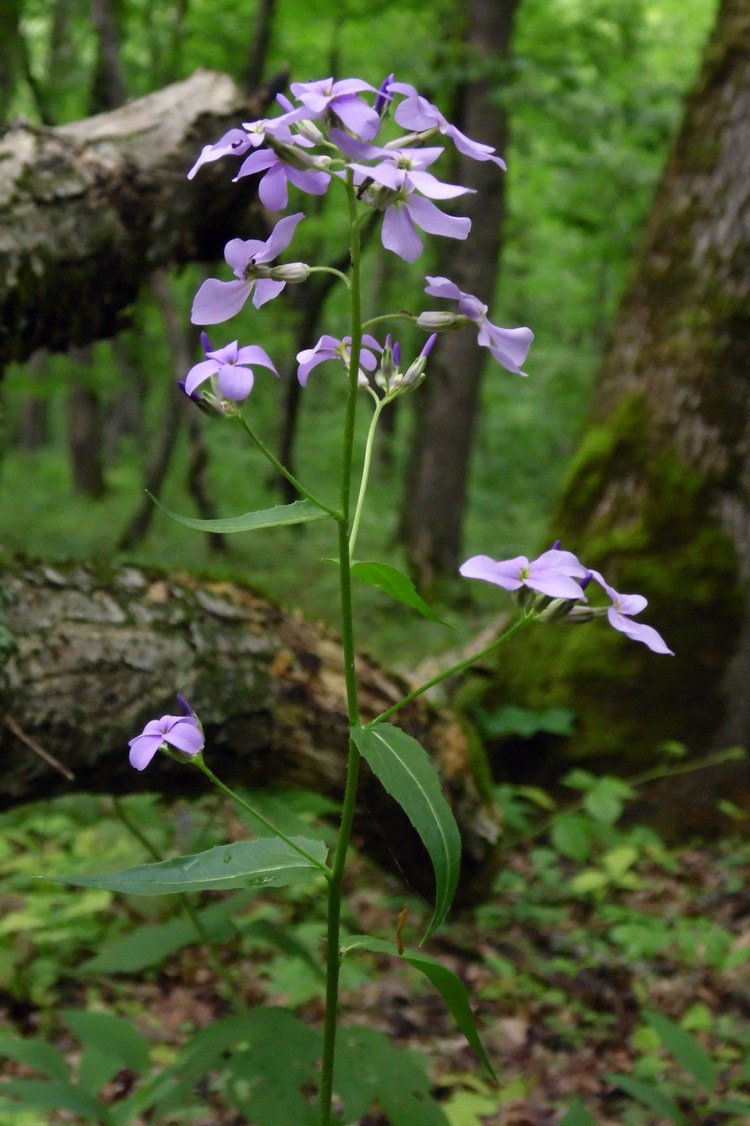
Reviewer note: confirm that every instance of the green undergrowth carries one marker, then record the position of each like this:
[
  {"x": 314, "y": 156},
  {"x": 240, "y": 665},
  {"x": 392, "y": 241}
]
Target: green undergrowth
[{"x": 599, "y": 947}]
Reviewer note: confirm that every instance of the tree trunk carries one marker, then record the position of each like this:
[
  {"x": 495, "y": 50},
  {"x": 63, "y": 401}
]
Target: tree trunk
[
  {"x": 88, "y": 210},
  {"x": 658, "y": 493},
  {"x": 435, "y": 494},
  {"x": 91, "y": 655}
]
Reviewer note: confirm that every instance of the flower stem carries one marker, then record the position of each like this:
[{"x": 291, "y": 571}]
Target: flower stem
[
  {"x": 523, "y": 620},
  {"x": 271, "y": 456},
  {"x": 369, "y": 444},
  {"x": 333, "y": 953},
  {"x": 259, "y": 817}
]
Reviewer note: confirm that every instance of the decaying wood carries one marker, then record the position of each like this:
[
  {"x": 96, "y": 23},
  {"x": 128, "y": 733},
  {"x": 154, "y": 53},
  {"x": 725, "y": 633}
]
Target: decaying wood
[
  {"x": 91, "y": 655},
  {"x": 88, "y": 210}
]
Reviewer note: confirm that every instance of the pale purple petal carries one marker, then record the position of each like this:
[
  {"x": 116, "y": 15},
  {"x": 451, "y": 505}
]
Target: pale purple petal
[
  {"x": 357, "y": 116},
  {"x": 398, "y": 234},
  {"x": 202, "y": 371},
  {"x": 473, "y": 149},
  {"x": 238, "y": 252},
  {"x": 235, "y": 382},
  {"x": 143, "y": 748},
  {"x": 217, "y": 301},
  {"x": 257, "y": 162},
  {"x": 415, "y": 112},
  {"x": 273, "y": 188},
  {"x": 254, "y": 354},
  {"x": 280, "y": 237},
  {"x": 184, "y": 734},
  {"x": 509, "y": 346},
  {"x": 431, "y": 219},
  {"x": 504, "y": 574},
  {"x": 442, "y": 287},
  {"x": 308, "y": 180},
  {"x": 233, "y": 143},
  {"x": 265, "y": 290},
  {"x": 636, "y": 631},
  {"x": 429, "y": 185}
]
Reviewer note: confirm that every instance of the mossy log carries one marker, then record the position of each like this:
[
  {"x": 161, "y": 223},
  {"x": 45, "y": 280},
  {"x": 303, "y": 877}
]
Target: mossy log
[
  {"x": 88, "y": 210},
  {"x": 657, "y": 494},
  {"x": 89, "y": 656}
]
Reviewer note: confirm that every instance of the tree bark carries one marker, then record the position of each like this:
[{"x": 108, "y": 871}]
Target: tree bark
[
  {"x": 90, "y": 655},
  {"x": 434, "y": 499},
  {"x": 88, "y": 210},
  {"x": 658, "y": 493}
]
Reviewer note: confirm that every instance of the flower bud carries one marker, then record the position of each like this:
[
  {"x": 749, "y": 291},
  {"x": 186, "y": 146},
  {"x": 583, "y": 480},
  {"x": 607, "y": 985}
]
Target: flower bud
[
  {"x": 438, "y": 321},
  {"x": 290, "y": 272}
]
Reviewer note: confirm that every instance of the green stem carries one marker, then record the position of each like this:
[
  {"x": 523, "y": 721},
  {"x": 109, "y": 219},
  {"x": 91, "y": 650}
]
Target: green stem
[
  {"x": 369, "y": 445},
  {"x": 458, "y": 667},
  {"x": 331, "y": 270},
  {"x": 271, "y": 456},
  {"x": 259, "y": 817},
  {"x": 333, "y": 953}
]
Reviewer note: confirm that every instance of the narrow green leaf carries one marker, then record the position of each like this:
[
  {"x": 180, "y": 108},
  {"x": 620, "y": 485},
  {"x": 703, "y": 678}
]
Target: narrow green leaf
[
  {"x": 685, "y": 1049},
  {"x": 404, "y": 768},
  {"x": 48, "y": 1095},
  {"x": 34, "y": 1053},
  {"x": 299, "y": 512},
  {"x": 451, "y": 988},
  {"x": 110, "y": 1043},
  {"x": 266, "y": 862},
  {"x": 577, "y": 1115},
  {"x": 395, "y": 584},
  {"x": 649, "y": 1096}
]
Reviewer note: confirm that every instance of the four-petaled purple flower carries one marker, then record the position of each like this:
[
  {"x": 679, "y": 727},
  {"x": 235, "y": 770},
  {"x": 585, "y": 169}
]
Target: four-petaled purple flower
[
  {"x": 217, "y": 301},
  {"x": 623, "y": 608},
  {"x": 398, "y": 186},
  {"x": 419, "y": 115},
  {"x": 331, "y": 348},
  {"x": 554, "y": 573},
  {"x": 273, "y": 188},
  {"x": 234, "y": 378},
  {"x": 340, "y": 99},
  {"x": 509, "y": 346},
  {"x": 183, "y": 732}
]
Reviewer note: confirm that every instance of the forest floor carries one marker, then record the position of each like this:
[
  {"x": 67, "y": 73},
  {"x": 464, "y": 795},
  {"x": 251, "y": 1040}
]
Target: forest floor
[{"x": 634, "y": 965}]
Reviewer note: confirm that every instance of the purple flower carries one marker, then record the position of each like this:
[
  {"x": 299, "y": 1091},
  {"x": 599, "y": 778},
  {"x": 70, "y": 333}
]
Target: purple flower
[
  {"x": 331, "y": 348},
  {"x": 417, "y": 114},
  {"x": 553, "y": 573},
  {"x": 279, "y": 173},
  {"x": 389, "y": 375},
  {"x": 400, "y": 187},
  {"x": 623, "y": 608},
  {"x": 509, "y": 346},
  {"x": 340, "y": 99},
  {"x": 217, "y": 301},
  {"x": 182, "y": 732},
  {"x": 234, "y": 378}
]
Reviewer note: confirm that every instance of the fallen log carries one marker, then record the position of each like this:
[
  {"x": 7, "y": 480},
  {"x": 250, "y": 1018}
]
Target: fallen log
[{"x": 89, "y": 654}]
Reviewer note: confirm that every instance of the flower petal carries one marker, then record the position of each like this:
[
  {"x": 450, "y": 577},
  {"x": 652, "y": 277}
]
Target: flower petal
[
  {"x": 399, "y": 235},
  {"x": 217, "y": 301},
  {"x": 197, "y": 374}
]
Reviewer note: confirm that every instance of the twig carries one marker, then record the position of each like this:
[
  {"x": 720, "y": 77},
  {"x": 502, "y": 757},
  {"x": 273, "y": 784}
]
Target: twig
[{"x": 32, "y": 744}]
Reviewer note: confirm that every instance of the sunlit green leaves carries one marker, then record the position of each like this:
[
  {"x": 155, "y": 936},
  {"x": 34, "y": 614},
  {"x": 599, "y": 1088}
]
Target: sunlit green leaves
[
  {"x": 245, "y": 864},
  {"x": 403, "y": 767}
]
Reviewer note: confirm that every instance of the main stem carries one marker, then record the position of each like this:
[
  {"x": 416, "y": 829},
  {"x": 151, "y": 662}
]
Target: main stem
[{"x": 333, "y": 956}]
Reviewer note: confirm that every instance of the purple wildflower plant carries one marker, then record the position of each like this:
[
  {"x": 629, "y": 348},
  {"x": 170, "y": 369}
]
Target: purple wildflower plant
[
  {"x": 509, "y": 346},
  {"x": 331, "y": 348},
  {"x": 217, "y": 301},
  {"x": 554, "y": 573},
  {"x": 389, "y": 376},
  {"x": 183, "y": 733},
  {"x": 229, "y": 370},
  {"x": 418, "y": 115}
]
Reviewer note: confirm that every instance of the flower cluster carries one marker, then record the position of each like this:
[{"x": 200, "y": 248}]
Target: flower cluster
[
  {"x": 331, "y": 131},
  {"x": 561, "y": 579}
]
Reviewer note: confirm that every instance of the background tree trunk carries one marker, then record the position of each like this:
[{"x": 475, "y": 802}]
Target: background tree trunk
[
  {"x": 658, "y": 493},
  {"x": 88, "y": 210},
  {"x": 434, "y": 498},
  {"x": 85, "y": 657}
]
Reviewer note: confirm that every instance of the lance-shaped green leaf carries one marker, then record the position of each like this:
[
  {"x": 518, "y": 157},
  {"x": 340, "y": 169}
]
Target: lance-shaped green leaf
[
  {"x": 451, "y": 988},
  {"x": 404, "y": 768},
  {"x": 266, "y": 862},
  {"x": 396, "y": 584},
  {"x": 299, "y": 512}
]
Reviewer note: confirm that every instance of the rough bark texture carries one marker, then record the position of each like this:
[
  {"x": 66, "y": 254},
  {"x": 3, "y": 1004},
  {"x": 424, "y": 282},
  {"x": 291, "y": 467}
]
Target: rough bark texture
[
  {"x": 435, "y": 499},
  {"x": 88, "y": 210},
  {"x": 86, "y": 658},
  {"x": 658, "y": 494}
]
